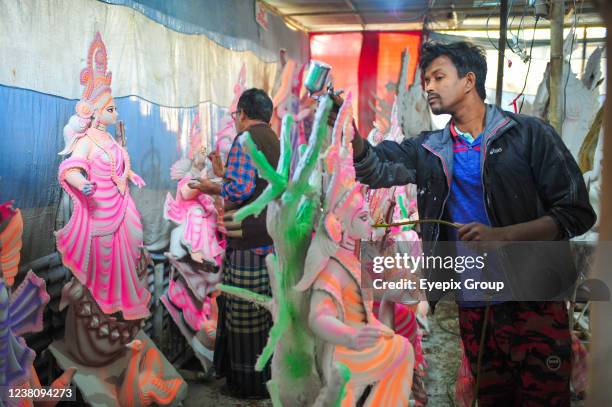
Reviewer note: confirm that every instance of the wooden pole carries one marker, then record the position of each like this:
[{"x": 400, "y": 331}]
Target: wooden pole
[
  {"x": 557, "y": 12},
  {"x": 503, "y": 31},
  {"x": 600, "y": 357},
  {"x": 584, "y": 50}
]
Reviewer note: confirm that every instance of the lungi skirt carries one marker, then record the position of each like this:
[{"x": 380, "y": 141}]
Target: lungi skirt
[{"x": 243, "y": 328}]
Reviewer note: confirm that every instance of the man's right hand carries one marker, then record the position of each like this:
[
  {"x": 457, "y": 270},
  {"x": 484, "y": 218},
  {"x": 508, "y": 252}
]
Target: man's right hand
[
  {"x": 333, "y": 114},
  {"x": 331, "y": 120},
  {"x": 217, "y": 163}
]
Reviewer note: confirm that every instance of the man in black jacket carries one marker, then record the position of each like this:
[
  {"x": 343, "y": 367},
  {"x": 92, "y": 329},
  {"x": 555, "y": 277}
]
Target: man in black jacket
[{"x": 502, "y": 177}]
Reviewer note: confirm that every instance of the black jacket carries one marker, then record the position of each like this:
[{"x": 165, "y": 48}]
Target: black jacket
[{"x": 527, "y": 172}]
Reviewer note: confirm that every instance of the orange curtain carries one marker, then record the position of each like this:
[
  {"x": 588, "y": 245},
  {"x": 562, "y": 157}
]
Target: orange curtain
[
  {"x": 341, "y": 51},
  {"x": 367, "y": 64}
]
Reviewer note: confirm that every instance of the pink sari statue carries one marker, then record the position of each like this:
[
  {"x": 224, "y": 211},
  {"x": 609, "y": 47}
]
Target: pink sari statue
[
  {"x": 196, "y": 252},
  {"x": 192, "y": 211},
  {"x": 196, "y": 215},
  {"x": 101, "y": 242}
]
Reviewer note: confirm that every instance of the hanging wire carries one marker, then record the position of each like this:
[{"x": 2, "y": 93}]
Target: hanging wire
[
  {"x": 529, "y": 64},
  {"x": 487, "y": 30},
  {"x": 509, "y": 26},
  {"x": 518, "y": 33}
]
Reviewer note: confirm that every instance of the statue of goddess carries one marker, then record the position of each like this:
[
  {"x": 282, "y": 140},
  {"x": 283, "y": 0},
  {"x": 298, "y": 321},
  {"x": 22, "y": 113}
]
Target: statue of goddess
[
  {"x": 101, "y": 242},
  {"x": 340, "y": 310}
]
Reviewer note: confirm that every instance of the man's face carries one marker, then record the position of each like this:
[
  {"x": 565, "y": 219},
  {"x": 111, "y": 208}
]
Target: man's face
[
  {"x": 443, "y": 86},
  {"x": 240, "y": 119}
]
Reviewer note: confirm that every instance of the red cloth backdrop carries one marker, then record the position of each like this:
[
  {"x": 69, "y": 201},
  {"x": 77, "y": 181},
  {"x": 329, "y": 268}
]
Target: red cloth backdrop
[{"x": 365, "y": 63}]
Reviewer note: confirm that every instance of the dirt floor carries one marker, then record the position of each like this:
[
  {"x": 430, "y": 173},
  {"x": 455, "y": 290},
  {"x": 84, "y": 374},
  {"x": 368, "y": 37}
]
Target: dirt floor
[{"x": 442, "y": 353}]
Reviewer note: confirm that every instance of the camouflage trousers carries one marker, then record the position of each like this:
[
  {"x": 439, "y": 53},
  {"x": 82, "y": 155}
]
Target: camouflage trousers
[{"x": 526, "y": 359}]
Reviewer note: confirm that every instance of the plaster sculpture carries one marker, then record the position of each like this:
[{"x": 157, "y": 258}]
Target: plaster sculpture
[
  {"x": 582, "y": 123},
  {"x": 101, "y": 242},
  {"x": 21, "y": 312},
  {"x": 340, "y": 311},
  {"x": 413, "y": 114},
  {"x": 286, "y": 94},
  {"x": 10, "y": 241},
  {"x": 592, "y": 179},
  {"x": 291, "y": 195},
  {"x": 101, "y": 245},
  {"x": 582, "y": 101},
  {"x": 192, "y": 211},
  {"x": 227, "y": 130},
  {"x": 396, "y": 204},
  {"x": 196, "y": 252},
  {"x": 295, "y": 380},
  {"x": 191, "y": 303}
]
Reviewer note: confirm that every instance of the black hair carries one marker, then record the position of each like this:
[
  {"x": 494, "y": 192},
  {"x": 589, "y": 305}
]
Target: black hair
[
  {"x": 466, "y": 57},
  {"x": 256, "y": 104}
]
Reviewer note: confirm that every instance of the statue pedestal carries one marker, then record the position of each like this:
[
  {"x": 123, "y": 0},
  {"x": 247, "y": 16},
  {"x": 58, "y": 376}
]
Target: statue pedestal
[
  {"x": 100, "y": 386},
  {"x": 198, "y": 285},
  {"x": 204, "y": 355}
]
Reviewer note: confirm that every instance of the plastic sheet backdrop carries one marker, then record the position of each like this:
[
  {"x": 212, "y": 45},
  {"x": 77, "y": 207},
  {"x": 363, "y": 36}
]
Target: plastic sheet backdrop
[
  {"x": 41, "y": 44},
  {"x": 31, "y": 128},
  {"x": 229, "y": 23},
  {"x": 167, "y": 65}
]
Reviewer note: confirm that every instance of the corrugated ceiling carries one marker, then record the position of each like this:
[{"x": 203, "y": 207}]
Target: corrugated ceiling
[{"x": 356, "y": 15}]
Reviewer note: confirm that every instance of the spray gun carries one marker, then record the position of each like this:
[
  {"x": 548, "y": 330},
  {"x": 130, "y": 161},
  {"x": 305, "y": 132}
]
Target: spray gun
[{"x": 317, "y": 77}]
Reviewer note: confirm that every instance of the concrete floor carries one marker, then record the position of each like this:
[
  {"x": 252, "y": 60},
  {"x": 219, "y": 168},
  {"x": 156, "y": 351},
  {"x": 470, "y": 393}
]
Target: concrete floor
[
  {"x": 208, "y": 395},
  {"x": 442, "y": 353}
]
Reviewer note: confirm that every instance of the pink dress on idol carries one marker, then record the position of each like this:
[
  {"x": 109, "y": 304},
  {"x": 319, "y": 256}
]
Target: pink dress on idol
[
  {"x": 200, "y": 217},
  {"x": 101, "y": 242}
]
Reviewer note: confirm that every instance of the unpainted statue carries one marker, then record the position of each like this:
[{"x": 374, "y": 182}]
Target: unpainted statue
[{"x": 227, "y": 130}]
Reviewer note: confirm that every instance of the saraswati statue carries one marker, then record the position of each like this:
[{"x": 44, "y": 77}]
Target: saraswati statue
[
  {"x": 196, "y": 251},
  {"x": 101, "y": 244},
  {"x": 102, "y": 240}
]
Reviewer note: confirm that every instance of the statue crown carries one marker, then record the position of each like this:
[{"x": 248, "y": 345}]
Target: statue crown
[{"x": 94, "y": 76}]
